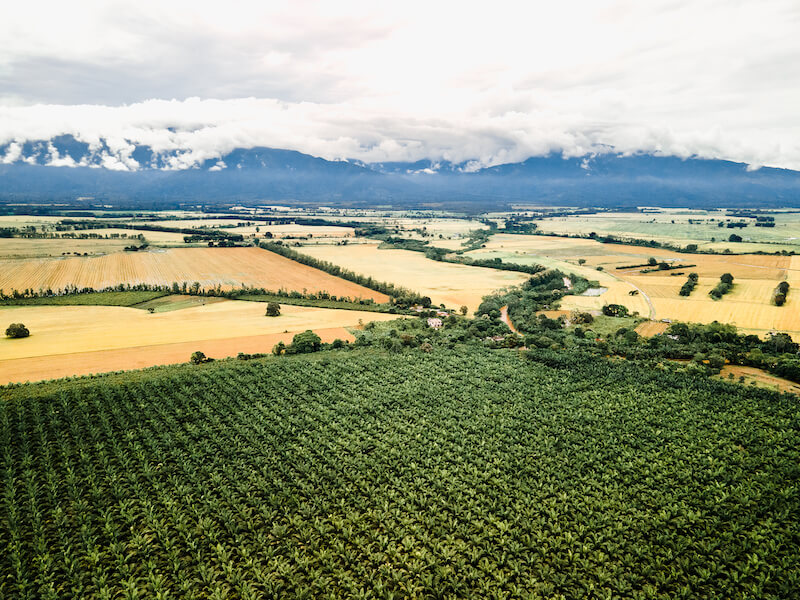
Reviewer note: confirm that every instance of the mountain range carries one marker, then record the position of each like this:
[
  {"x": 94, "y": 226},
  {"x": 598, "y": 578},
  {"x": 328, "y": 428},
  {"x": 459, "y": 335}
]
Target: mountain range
[{"x": 67, "y": 170}]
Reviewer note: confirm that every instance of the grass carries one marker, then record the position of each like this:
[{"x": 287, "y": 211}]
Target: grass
[
  {"x": 94, "y": 299},
  {"x": 320, "y": 303},
  {"x": 606, "y": 326},
  {"x": 176, "y": 302}
]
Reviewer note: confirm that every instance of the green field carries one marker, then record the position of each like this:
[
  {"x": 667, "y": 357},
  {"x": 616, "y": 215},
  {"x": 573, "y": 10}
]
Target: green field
[
  {"x": 126, "y": 298},
  {"x": 367, "y": 474}
]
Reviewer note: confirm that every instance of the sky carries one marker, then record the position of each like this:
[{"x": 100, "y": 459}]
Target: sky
[{"x": 487, "y": 82}]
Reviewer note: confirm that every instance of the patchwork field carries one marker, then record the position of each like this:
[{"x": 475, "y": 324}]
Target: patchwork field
[
  {"x": 747, "y": 306},
  {"x": 74, "y": 340},
  {"x": 673, "y": 226},
  {"x": 227, "y": 267},
  {"x": 445, "y": 283}
]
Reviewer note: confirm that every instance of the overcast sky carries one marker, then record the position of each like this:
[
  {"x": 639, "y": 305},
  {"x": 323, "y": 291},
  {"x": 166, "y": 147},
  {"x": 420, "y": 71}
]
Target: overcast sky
[{"x": 488, "y": 81}]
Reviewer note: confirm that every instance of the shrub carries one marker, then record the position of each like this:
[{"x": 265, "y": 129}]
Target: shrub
[
  {"x": 17, "y": 330},
  {"x": 273, "y": 309},
  {"x": 198, "y": 358},
  {"x": 306, "y": 342},
  {"x": 615, "y": 310}
]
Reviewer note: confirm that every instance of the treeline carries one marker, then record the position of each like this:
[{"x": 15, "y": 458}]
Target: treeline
[{"x": 196, "y": 234}]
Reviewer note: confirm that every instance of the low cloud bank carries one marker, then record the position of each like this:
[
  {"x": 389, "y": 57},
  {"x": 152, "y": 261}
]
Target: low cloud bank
[{"x": 189, "y": 132}]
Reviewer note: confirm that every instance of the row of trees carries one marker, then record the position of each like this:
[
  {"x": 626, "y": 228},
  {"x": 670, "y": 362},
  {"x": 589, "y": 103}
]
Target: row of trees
[
  {"x": 688, "y": 287},
  {"x": 724, "y": 286}
]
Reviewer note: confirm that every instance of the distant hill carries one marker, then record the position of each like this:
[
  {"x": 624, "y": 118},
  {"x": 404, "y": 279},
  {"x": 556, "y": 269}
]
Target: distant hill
[{"x": 64, "y": 169}]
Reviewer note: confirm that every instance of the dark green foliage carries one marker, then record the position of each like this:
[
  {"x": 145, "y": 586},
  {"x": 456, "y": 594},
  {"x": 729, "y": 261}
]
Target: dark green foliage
[
  {"x": 413, "y": 475},
  {"x": 17, "y": 330},
  {"x": 273, "y": 309},
  {"x": 688, "y": 287},
  {"x": 198, "y": 358},
  {"x": 723, "y": 287},
  {"x": 305, "y": 342},
  {"x": 108, "y": 298},
  {"x": 780, "y": 293},
  {"x": 615, "y": 310}
]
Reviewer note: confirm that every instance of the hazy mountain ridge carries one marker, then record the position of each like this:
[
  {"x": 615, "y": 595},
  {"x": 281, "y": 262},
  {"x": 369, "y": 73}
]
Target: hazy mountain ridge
[{"x": 64, "y": 169}]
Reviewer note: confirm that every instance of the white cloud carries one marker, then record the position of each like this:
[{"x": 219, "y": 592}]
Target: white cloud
[{"x": 446, "y": 81}]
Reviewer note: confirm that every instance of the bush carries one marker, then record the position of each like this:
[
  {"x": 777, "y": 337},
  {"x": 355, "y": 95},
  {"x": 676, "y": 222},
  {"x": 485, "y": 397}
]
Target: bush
[
  {"x": 273, "y": 309},
  {"x": 17, "y": 330},
  {"x": 615, "y": 310},
  {"x": 306, "y": 342},
  {"x": 198, "y": 358}
]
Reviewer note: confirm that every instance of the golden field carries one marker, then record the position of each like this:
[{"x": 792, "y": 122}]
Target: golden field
[
  {"x": 445, "y": 283},
  {"x": 97, "y": 336},
  {"x": 227, "y": 267}
]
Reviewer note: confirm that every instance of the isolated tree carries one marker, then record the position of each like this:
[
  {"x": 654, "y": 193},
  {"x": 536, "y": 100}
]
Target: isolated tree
[
  {"x": 306, "y": 342},
  {"x": 734, "y": 238},
  {"x": 17, "y": 330},
  {"x": 581, "y": 261},
  {"x": 197, "y": 358},
  {"x": 273, "y": 309},
  {"x": 464, "y": 310},
  {"x": 652, "y": 261},
  {"x": 726, "y": 278}
]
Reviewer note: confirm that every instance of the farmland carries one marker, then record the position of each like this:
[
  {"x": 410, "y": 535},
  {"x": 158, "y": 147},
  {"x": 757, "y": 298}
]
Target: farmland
[
  {"x": 674, "y": 226},
  {"x": 748, "y": 306},
  {"x": 20, "y": 248},
  {"x": 445, "y": 283},
  {"x": 119, "y": 338},
  {"x": 372, "y": 474},
  {"x": 210, "y": 267}
]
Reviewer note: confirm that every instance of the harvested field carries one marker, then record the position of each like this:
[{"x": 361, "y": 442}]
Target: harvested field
[
  {"x": 761, "y": 378},
  {"x": 227, "y": 267},
  {"x": 651, "y": 328},
  {"x": 88, "y": 363},
  {"x": 60, "y": 332},
  {"x": 21, "y": 248},
  {"x": 445, "y": 283}
]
